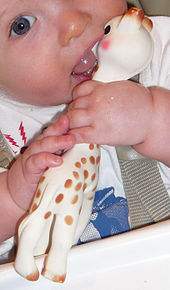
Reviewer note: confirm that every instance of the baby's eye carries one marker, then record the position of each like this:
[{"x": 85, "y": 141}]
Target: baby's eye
[{"x": 22, "y": 25}]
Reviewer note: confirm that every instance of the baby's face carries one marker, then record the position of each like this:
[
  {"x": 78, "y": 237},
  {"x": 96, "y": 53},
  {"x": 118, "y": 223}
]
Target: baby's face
[{"x": 42, "y": 43}]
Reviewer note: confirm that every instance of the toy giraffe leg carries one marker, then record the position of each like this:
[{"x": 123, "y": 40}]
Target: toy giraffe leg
[
  {"x": 29, "y": 271},
  {"x": 62, "y": 239},
  {"x": 43, "y": 244},
  {"x": 85, "y": 214}
]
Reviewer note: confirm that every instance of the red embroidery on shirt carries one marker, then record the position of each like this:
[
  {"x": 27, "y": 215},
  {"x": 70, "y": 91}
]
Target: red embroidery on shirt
[
  {"x": 11, "y": 140},
  {"x": 22, "y": 132}
]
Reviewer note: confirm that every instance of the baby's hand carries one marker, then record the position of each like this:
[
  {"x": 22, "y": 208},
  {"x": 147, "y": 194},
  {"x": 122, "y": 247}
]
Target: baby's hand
[
  {"x": 24, "y": 175},
  {"x": 110, "y": 113}
]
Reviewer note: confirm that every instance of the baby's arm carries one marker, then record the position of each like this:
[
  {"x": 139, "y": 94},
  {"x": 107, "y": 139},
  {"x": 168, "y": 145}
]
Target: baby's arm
[
  {"x": 19, "y": 183},
  {"x": 155, "y": 143},
  {"x": 123, "y": 113}
]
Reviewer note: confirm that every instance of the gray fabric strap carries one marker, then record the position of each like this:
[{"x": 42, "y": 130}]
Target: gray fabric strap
[
  {"x": 6, "y": 156},
  {"x": 147, "y": 197}
]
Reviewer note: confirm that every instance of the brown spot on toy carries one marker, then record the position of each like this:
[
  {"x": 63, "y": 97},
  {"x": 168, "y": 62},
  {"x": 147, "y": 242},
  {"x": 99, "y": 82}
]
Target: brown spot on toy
[
  {"x": 78, "y": 186},
  {"x": 76, "y": 174},
  {"x": 92, "y": 160},
  {"x": 59, "y": 198},
  {"x": 34, "y": 207},
  {"x": 84, "y": 186},
  {"x": 86, "y": 174},
  {"x": 38, "y": 194},
  {"x": 91, "y": 146},
  {"x": 97, "y": 159},
  {"x": 94, "y": 189},
  {"x": 47, "y": 215},
  {"x": 93, "y": 177},
  {"x": 78, "y": 164},
  {"x": 84, "y": 160},
  {"x": 68, "y": 183},
  {"x": 68, "y": 220},
  {"x": 75, "y": 199}
]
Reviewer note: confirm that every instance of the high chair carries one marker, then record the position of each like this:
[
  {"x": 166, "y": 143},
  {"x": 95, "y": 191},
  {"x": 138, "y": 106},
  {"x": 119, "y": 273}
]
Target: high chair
[{"x": 135, "y": 260}]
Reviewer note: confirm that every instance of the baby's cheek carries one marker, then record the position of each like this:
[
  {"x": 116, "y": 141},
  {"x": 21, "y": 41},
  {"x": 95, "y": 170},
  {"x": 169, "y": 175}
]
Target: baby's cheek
[{"x": 105, "y": 44}]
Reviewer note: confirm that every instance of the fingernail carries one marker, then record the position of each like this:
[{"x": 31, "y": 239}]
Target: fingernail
[{"x": 57, "y": 161}]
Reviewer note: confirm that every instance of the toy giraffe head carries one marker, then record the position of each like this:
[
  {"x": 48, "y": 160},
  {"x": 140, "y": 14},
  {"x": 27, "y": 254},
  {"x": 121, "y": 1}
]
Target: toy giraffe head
[
  {"x": 126, "y": 48},
  {"x": 63, "y": 201}
]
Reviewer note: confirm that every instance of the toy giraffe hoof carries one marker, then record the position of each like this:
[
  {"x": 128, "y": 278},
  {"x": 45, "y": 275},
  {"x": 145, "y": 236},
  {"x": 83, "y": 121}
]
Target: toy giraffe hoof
[
  {"x": 33, "y": 276},
  {"x": 59, "y": 279},
  {"x": 54, "y": 278}
]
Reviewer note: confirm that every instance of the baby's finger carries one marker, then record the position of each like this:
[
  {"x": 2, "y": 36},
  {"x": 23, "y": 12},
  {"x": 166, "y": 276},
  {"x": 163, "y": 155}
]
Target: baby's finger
[
  {"x": 79, "y": 103},
  {"x": 50, "y": 144},
  {"x": 78, "y": 118},
  {"x": 37, "y": 163},
  {"x": 58, "y": 128},
  {"x": 84, "y": 89},
  {"x": 84, "y": 135}
]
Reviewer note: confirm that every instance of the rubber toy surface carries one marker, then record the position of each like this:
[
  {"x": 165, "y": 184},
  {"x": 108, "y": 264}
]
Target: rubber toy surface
[{"x": 63, "y": 201}]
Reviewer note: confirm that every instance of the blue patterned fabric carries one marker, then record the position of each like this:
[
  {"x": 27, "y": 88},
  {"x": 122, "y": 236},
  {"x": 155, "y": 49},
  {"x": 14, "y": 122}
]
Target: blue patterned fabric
[{"x": 109, "y": 216}]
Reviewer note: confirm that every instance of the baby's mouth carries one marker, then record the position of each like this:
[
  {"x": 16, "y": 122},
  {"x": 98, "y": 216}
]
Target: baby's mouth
[{"x": 86, "y": 66}]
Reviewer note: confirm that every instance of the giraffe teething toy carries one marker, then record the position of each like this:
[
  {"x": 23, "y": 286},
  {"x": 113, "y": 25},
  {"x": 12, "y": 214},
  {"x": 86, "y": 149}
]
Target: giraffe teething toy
[{"x": 63, "y": 200}]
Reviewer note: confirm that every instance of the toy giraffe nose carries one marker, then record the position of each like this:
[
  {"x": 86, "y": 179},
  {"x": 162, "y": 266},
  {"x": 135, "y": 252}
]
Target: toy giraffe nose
[{"x": 74, "y": 24}]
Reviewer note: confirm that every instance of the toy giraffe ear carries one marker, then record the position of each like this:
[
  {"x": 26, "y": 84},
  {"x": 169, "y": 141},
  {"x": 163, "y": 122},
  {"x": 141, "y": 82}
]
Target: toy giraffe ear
[{"x": 147, "y": 23}]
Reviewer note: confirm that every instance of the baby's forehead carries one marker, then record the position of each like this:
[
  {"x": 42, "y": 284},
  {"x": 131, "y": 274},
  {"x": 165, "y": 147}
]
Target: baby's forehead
[
  {"x": 7, "y": 6},
  {"x": 13, "y": 6},
  {"x": 4, "y": 4}
]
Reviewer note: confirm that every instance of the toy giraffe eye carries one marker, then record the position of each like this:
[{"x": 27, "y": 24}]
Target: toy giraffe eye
[
  {"x": 107, "y": 29},
  {"x": 22, "y": 25}
]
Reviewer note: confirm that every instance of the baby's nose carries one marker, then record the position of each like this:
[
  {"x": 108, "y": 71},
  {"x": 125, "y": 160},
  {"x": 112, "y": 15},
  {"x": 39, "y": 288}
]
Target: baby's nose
[{"x": 73, "y": 25}]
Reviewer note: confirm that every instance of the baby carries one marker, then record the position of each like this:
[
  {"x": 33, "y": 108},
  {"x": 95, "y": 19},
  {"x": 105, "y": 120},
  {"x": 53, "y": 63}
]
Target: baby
[{"x": 46, "y": 61}]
